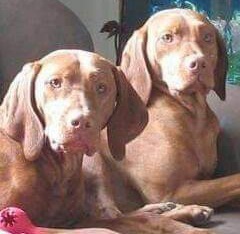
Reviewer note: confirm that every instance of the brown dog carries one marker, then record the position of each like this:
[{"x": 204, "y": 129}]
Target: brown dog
[
  {"x": 172, "y": 61},
  {"x": 52, "y": 114}
]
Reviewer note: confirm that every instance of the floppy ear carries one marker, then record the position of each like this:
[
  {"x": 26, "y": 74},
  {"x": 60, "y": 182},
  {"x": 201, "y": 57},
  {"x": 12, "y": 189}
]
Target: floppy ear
[
  {"x": 19, "y": 118},
  {"x": 128, "y": 119},
  {"x": 220, "y": 72},
  {"x": 135, "y": 64}
]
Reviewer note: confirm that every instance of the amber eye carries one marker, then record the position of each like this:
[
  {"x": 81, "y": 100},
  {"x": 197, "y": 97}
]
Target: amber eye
[
  {"x": 207, "y": 37},
  {"x": 55, "y": 83},
  {"x": 167, "y": 38},
  {"x": 101, "y": 88}
]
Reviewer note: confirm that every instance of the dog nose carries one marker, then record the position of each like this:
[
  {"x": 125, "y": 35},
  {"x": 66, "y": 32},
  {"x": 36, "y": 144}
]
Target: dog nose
[
  {"x": 81, "y": 123},
  {"x": 77, "y": 120},
  {"x": 195, "y": 64}
]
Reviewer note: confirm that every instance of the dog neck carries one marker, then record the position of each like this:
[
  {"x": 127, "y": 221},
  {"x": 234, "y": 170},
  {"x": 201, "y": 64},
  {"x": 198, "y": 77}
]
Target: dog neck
[
  {"x": 192, "y": 102},
  {"x": 59, "y": 168}
]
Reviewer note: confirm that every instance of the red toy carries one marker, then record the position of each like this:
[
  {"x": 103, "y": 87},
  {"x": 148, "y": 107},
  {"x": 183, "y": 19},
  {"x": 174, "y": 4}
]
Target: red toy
[{"x": 15, "y": 221}]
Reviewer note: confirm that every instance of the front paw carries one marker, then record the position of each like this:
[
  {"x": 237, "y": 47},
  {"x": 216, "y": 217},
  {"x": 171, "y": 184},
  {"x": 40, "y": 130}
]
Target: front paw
[
  {"x": 194, "y": 214},
  {"x": 158, "y": 208},
  {"x": 109, "y": 213},
  {"x": 200, "y": 214}
]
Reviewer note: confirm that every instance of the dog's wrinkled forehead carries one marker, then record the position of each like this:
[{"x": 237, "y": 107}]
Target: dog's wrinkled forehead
[
  {"x": 72, "y": 63},
  {"x": 179, "y": 21}
]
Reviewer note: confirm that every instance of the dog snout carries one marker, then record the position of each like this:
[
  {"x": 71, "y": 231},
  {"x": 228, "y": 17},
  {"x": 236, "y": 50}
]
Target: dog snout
[
  {"x": 195, "y": 64},
  {"x": 79, "y": 121}
]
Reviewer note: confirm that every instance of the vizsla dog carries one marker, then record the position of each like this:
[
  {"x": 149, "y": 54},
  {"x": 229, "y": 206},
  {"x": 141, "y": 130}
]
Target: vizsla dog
[
  {"x": 172, "y": 61},
  {"x": 51, "y": 116}
]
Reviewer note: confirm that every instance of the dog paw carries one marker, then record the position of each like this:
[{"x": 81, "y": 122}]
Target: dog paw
[
  {"x": 109, "y": 213},
  {"x": 200, "y": 215},
  {"x": 159, "y": 208}
]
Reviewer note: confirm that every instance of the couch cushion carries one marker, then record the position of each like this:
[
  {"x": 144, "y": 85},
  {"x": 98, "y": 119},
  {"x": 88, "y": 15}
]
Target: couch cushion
[
  {"x": 31, "y": 29},
  {"x": 227, "y": 220},
  {"x": 228, "y": 113}
]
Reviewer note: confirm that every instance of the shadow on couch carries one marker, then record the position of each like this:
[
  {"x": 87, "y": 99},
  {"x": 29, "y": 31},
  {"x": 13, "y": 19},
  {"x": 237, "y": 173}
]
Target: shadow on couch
[{"x": 227, "y": 219}]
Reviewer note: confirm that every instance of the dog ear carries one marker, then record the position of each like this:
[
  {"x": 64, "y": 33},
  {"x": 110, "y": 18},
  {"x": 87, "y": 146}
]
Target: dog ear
[
  {"x": 135, "y": 65},
  {"x": 128, "y": 119},
  {"x": 221, "y": 69},
  {"x": 20, "y": 120}
]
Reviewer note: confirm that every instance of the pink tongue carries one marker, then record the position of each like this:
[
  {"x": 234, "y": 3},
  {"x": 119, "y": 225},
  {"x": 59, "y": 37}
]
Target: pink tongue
[{"x": 15, "y": 221}]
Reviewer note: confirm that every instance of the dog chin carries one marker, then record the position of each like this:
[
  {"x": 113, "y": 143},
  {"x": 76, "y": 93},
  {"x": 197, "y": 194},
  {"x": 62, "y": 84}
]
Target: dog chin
[
  {"x": 190, "y": 89},
  {"x": 74, "y": 148}
]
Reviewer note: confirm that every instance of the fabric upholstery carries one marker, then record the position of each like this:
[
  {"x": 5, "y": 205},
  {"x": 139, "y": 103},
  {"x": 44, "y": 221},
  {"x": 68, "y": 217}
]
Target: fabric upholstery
[
  {"x": 31, "y": 29},
  {"x": 226, "y": 220}
]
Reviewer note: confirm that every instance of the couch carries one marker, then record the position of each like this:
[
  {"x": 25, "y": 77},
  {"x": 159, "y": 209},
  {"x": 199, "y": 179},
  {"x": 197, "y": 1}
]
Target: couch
[
  {"x": 31, "y": 29},
  {"x": 227, "y": 219}
]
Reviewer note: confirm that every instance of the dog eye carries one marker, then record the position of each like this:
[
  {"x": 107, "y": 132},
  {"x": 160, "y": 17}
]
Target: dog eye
[
  {"x": 207, "y": 37},
  {"x": 167, "y": 38},
  {"x": 101, "y": 88},
  {"x": 55, "y": 83}
]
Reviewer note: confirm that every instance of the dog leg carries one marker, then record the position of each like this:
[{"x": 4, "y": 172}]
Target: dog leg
[
  {"x": 157, "y": 208},
  {"x": 147, "y": 223},
  {"x": 191, "y": 214},
  {"x": 75, "y": 231},
  {"x": 99, "y": 202},
  {"x": 213, "y": 193}
]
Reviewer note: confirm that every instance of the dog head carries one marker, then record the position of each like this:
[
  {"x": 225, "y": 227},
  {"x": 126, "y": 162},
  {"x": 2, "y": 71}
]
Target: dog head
[
  {"x": 67, "y": 97},
  {"x": 178, "y": 49}
]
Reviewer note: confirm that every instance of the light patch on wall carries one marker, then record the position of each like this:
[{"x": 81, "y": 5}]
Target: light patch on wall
[{"x": 94, "y": 13}]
